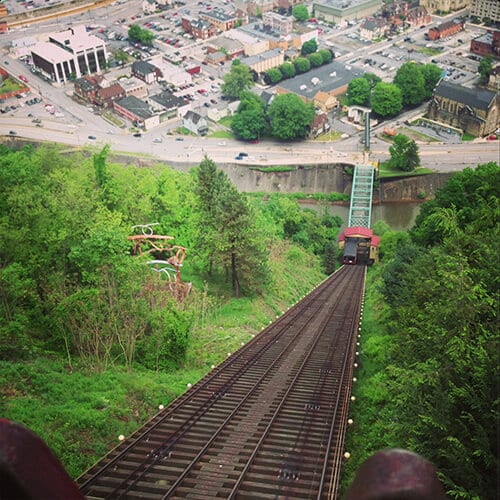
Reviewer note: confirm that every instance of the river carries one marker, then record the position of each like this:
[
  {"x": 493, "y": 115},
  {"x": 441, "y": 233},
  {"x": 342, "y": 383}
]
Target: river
[{"x": 398, "y": 216}]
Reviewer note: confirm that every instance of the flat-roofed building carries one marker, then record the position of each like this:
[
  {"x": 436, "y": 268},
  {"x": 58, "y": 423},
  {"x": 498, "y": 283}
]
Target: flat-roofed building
[
  {"x": 265, "y": 61},
  {"x": 489, "y": 9},
  {"x": 444, "y": 5},
  {"x": 331, "y": 79},
  {"x": 252, "y": 45},
  {"x": 69, "y": 54},
  {"x": 277, "y": 22},
  {"x": 342, "y": 11},
  {"x": 134, "y": 87}
]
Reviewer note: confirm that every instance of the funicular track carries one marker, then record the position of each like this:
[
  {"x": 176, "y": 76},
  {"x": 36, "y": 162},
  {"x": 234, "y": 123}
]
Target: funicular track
[{"x": 269, "y": 422}]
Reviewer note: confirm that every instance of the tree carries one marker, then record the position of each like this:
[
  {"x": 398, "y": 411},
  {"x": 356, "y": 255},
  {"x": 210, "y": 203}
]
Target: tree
[
  {"x": 326, "y": 54},
  {"x": 302, "y": 65},
  {"x": 411, "y": 82},
  {"x": 237, "y": 80},
  {"x": 300, "y": 12},
  {"x": 372, "y": 79},
  {"x": 136, "y": 33},
  {"x": 250, "y": 124},
  {"x": 250, "y": 101},
  {"x": 227, "y": 218},
  {"x": 290, "y": 117},
  {"x": 359, "y": 91},
  {"x": 386, "y": 99},
  {"x": 315, "y": 59},
  {"x": 404, "y": 154},
  {"x": 287, "y": 70},
  {"x": 485, "y": 68},
  {"x": 309, "y": 47},
  {"x": 432, "y": 75},
  {"x": 274, "y": 75}
]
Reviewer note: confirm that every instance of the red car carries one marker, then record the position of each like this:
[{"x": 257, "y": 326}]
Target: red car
[{"x": 23, "y": 78}]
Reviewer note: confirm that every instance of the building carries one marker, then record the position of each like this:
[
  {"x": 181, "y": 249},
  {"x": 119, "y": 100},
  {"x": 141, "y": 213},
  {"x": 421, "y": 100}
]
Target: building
[
  {"x": 373, "y": 28},
  {"x": 342, "y": 11},
  {"x": 474, "y": 111},
  {"x": 137, "y": 111},
  {"x": 170, "y": 106},
  {"x": 277, "y": 22},
  {"x": 485, "y": 9},
  {"x": 252, "y": 44},
  {"x": 106, "y": 96},
  {"x": 69, "y": 54},
  {"x": 331, "y": 79},
  {"x": 195, "y": 123},
  {"x": 446, "y": 29},
  {"x": 265, "y": 61},
  {"x": 22, "y": 47},
  {"x": 146, "y": 72},
  {"x": 254, "y": 7},
  {"x": 494, "y": 79},
  {"x": 231, "y": 48},
  {"x": 134, "y": 87},
  {"x": 325, "y": 101},
  {"x": 199, "y": 29},
  {"x": 320, "y": 125},
  {"x": 487, "y": 44},
  {"x": 444, "y": 5},
  {"x": 219, "y": 19}
]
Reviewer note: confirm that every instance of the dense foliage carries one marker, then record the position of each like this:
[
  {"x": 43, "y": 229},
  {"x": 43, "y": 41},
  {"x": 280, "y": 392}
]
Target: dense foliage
[
  {"x": 432, "y": 363},
  {"x": 287, "y": 117},
  {"x": 412, "y": 84},
  {"x": 141, "y": 35},
  {"x": 90, "y": 337},
  {"x": 239, "y": 79}
]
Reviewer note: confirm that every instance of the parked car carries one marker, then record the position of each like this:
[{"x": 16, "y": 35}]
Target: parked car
[{"x": 92, "y": 137}]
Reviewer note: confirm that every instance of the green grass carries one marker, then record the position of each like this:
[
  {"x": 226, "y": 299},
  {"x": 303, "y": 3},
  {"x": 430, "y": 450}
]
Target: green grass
[
  {"x": 386, "y": 172},
  {"x": 372, "y": 429},
  {"x": 428, "y": 51},
  {"x": 333, "y": 135},
  {"x": 80, "y": 414},
  {"x": 468, "y": 137},
  {"x": 9, "y": 85},
  {"x": 226, "y": 121},
  {"x": 221, "y": 134}
]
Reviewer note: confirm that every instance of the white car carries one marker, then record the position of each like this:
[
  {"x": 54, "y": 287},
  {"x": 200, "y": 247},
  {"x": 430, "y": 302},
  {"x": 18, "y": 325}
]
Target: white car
[{"x": 157, "y": 139}]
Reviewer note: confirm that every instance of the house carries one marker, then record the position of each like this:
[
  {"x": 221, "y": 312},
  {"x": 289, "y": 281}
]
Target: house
[
  {"x": 146, "y": 72},
  {"x": 373, "y": 28},
  {"x": 446, "y": 29},
  {"x": 325, "y": 101},
  {"x": 195, "y": 123},
  {"x": 85, "y": 88},
  {"x": 474, "y": 111},
  {"x": 320, "y": 125}
]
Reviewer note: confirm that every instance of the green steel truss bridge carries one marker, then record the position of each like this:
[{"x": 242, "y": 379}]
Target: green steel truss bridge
[{"x": 360, "y": 211}]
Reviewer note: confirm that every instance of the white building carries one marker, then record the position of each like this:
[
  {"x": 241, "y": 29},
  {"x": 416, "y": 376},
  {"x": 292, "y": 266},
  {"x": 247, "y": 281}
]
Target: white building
[{"x": 69, "y": 54}]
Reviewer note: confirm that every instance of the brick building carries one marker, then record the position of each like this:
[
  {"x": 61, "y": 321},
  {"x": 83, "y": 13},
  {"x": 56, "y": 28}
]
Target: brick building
[
  {"x": 487, "y": 44},
  {"x": 446, "y": 29}
]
